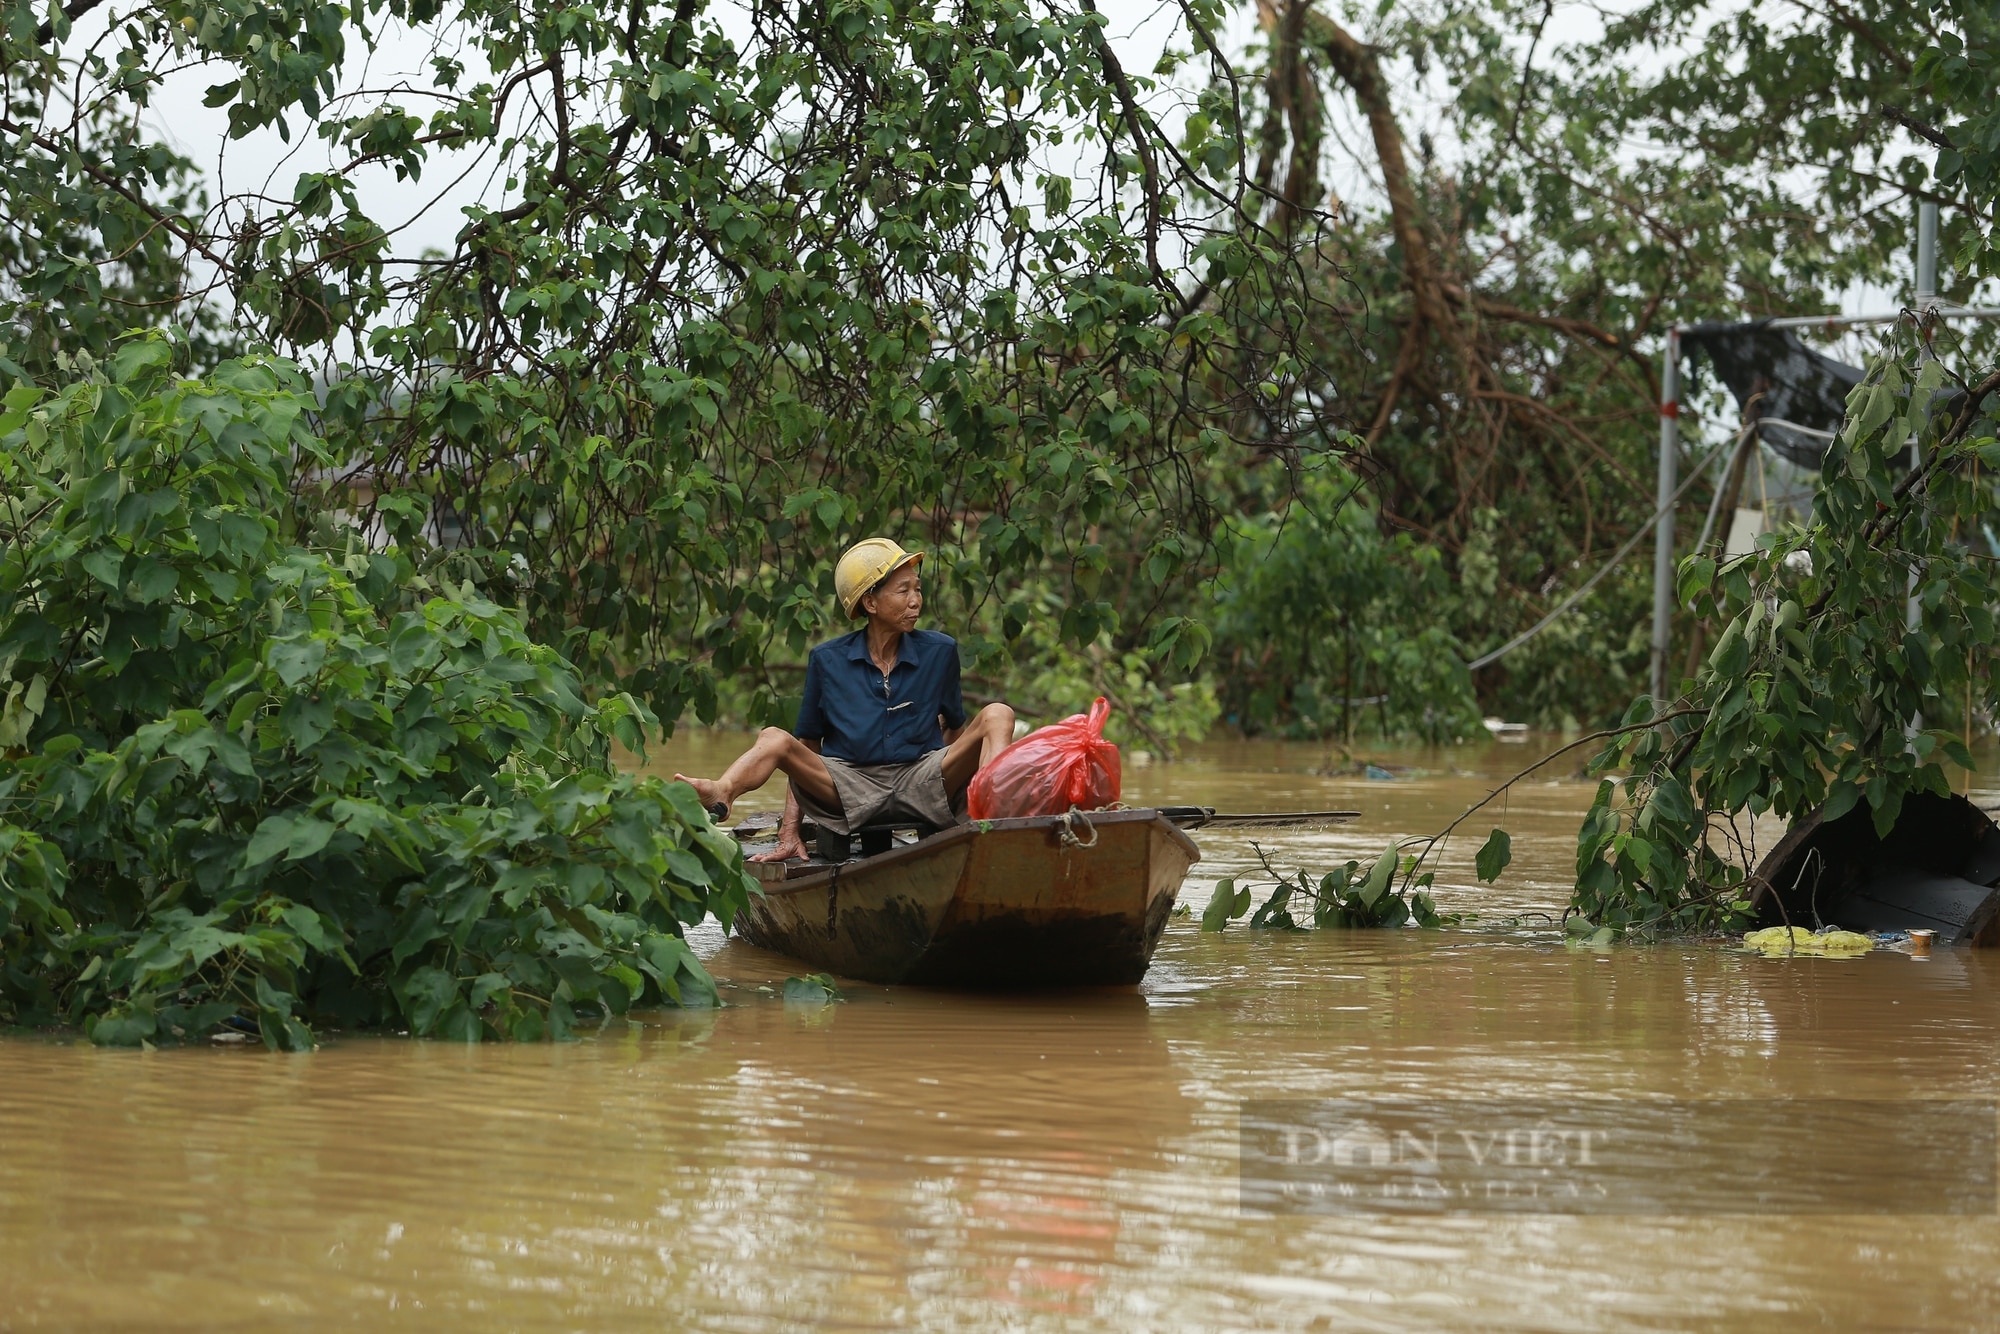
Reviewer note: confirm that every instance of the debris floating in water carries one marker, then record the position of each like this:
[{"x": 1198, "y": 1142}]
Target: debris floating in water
[{"x": 1778, "y": 941}]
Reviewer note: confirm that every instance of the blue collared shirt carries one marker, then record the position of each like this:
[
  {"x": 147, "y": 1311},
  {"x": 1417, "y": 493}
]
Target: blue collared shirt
[{"x": 860, "y": 718}]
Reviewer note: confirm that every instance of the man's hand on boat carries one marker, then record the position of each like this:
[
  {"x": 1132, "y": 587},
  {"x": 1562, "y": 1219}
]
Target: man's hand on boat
[{"x": 790, "y": 846}]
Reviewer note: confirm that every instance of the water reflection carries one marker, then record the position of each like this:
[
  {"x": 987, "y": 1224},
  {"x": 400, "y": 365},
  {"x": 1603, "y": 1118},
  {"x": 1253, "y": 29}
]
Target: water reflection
[{"x": 912, "y": 1159}]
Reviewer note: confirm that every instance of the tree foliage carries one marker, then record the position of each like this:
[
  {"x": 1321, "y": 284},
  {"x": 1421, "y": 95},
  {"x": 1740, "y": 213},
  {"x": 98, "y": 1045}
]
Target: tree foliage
[
  {"x": 1329, "y": 625},
  {"x": 757, "y": 282},
  {"x": 248, "y": 781}
]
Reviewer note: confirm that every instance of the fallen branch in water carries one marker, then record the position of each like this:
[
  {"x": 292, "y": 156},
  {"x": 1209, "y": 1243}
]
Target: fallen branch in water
[
  {"x": 1499, "y": 847},
  {"x": 1585, "y": 740},
  {"x": 1345, "y": 898}
]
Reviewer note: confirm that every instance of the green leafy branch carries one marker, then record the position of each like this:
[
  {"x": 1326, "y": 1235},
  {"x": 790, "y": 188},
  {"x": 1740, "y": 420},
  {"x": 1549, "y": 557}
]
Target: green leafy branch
[
  {"x": 1854, "y": 647},
  {"x": 244, "y": 781},
  {"x": 1340, "y": 898}
]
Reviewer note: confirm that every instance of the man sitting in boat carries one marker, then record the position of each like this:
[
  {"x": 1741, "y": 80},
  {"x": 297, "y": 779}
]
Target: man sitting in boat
[{"x": 882, "y": 735}]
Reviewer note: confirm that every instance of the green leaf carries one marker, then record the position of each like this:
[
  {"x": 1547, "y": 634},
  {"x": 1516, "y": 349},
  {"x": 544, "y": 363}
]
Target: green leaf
[
  {"x": 812, "y": 989},
  {"x": 686, "y": 805},
  {"x": 1878, "y": 404},
  {"x": 1333, "y": 887},
  {"x": 273, "y": 836},
  {"x": 1731, "y": 654},
  {"x": 245, "y": 706},
  {"x": 1379, "y": 877},
  {"x": 408, "y": 644},
  {"x": 1697, "y": 573},
  {"x": 1494, "y": 856},
  {"x": 310, "y": 926},
  {"x": 240, "y": 674},
  {"x": 154, "y": 580},
  {"x": 426, "y": 995},
  {"x": 1225, "y": 904},
  {"x": 308, "y": 836},
  {"x": 127, "y": 1029},
  {"x": 139, "y": 359},
  {"x": 295, "y": 660},
  {"x": 1272, "y": 916},
  {"x": 669, "y": 961},
  {"x": 106, "y": 565},
  {"x": 1671, "y": 800},
  {"x": 281, "y": 1031},
  {"x": 1840, "y": 799}
]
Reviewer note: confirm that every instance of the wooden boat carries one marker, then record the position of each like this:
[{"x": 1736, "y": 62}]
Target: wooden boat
[{"x": 1050, "y": 901}]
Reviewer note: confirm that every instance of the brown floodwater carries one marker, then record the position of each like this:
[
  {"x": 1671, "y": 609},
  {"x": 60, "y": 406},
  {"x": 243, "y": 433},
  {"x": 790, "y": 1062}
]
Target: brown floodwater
[{"x": 918, "y": 1160}]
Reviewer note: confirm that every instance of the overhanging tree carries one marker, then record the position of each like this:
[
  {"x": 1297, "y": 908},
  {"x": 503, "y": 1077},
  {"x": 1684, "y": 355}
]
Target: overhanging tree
[{"x": 759, "y": 281}]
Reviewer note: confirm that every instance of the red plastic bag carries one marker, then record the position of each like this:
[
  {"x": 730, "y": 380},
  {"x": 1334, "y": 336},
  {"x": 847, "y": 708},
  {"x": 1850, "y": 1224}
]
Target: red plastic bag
[{"x": 1050, "y": 770}]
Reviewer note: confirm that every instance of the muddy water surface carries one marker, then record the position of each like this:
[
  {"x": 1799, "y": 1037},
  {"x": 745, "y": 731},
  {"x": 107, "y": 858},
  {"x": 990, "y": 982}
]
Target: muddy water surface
[{"x": 915, "y": 1160}]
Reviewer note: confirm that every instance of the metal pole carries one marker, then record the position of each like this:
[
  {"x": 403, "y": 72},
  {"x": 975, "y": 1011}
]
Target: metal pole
[
  {"x": 1663, "y": 549},
  {"x": 1832, "y": 322},
  {"x": 1927, "y": 220},
  {"x": 1927, "y": 226}
]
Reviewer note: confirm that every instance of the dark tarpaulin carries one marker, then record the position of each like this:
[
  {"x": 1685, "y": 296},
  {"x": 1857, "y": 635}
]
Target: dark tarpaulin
[{"x": 1797, "y": 384}]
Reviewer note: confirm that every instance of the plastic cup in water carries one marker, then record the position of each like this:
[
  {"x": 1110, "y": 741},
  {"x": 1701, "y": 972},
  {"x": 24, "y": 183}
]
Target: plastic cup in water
[{"x": 1920, "y": 944}]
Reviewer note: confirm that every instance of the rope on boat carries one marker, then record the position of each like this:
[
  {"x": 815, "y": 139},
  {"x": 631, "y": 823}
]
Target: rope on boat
[
  {"x": 1066, "y": 832},
  {"x": 833, "y": 904}
]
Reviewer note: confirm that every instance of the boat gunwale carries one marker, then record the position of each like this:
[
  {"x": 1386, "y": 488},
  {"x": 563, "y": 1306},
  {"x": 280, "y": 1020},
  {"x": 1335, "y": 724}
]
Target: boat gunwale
[{"x": 818, "y": 877}]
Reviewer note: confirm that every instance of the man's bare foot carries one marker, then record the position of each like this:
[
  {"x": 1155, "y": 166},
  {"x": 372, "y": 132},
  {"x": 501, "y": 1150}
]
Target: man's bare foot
[{"x": 710, "y": 794}]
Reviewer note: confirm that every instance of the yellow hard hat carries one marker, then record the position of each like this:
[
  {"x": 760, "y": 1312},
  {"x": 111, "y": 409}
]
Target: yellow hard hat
[{"x": 866, "y": 564}]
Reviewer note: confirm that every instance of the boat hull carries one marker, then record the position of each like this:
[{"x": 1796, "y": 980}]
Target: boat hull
[{"x": 1003, "y": 904}]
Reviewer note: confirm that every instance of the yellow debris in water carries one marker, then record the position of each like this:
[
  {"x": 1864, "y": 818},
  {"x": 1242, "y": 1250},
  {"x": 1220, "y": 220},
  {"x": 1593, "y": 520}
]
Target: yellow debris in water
[{"x": 1777, "y": 941}]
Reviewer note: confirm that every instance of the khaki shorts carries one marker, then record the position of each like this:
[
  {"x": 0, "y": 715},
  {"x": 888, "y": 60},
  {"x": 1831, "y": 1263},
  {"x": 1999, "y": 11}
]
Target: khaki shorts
[{"x": 886, "y": 794}]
